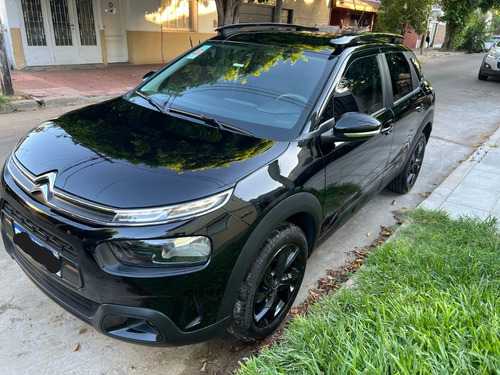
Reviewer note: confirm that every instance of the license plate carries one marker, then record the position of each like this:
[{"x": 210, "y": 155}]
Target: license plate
[{"x": 37, "y": 250}]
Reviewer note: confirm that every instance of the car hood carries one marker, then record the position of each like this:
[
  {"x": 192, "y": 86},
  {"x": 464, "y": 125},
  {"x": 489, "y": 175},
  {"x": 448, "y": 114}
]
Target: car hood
[{"x": 123, "y": 155}]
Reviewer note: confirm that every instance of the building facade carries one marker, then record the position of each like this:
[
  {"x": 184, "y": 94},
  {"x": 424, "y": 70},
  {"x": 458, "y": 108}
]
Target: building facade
[
  {"x": 67, "y": 32},
  {"x": 354, "y": 14}
]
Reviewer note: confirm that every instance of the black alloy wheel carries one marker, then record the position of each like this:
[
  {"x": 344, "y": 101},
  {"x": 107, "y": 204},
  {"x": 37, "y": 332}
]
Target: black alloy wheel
[
  {"x": 407, "y": 178},
  {"x": 271, "y": 284}
]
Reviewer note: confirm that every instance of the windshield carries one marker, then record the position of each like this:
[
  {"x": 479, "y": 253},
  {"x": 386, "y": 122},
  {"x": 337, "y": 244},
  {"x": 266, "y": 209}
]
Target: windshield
[{"x": 265, "y": 90}]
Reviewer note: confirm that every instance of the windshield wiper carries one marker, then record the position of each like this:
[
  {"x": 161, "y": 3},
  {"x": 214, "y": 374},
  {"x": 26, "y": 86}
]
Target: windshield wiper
[
  {"x": 150, "y": 101},
  {"x": 211, "y": 121}
]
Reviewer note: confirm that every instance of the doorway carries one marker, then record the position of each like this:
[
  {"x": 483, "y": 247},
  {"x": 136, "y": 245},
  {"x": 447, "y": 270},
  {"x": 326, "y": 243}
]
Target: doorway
[
  {"x": 115, "y": 35},
  {"x": 60, "y": 32}
]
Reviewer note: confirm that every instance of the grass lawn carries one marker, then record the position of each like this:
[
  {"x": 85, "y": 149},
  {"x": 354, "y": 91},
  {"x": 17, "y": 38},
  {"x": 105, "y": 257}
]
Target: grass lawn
[{"x": 428, "y": 302}]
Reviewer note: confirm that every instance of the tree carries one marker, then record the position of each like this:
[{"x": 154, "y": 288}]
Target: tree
[
  {"x": 397, "y": 16},
  {"x": 458, "y": 14},
  {"x": 228, "y": 11}
]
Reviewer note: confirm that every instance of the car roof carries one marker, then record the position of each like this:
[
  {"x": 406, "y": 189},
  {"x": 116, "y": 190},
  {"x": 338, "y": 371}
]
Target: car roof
[{"x": 297, "y": 36}]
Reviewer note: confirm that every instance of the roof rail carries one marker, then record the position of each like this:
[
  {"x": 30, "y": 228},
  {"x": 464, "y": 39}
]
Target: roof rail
[
  {"x": 228, "y": 30},
  {"x": 351, "y": 39}
]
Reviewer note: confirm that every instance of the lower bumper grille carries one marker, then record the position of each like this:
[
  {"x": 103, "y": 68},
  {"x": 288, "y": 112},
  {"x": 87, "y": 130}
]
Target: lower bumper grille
[{"x": 57, "y": 287}]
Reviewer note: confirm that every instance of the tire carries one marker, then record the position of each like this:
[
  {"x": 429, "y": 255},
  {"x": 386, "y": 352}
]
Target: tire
[
  {"x": 481, "y": 77},
  {"x": 403, "y": 183},
  {"x": 271, "y": 284}
]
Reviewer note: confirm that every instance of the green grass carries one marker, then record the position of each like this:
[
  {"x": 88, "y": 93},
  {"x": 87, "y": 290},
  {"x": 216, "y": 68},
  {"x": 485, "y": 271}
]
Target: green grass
[
  {"x": 428, "y": 302},
  {"x": 4, "y": 99}
]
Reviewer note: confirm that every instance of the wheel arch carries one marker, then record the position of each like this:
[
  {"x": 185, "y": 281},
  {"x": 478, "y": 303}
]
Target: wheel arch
[{"x": 302, "y": 209}]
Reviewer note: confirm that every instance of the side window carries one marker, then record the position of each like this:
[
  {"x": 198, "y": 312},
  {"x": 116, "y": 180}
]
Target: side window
[
  {"x": 400, "y": 75},
  {"x": 359, "y": 90},
  {"x": 418, "y": 68}
]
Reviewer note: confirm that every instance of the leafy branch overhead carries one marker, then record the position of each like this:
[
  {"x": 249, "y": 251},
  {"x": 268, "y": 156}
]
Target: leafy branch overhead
[
  {"x": 397, "y": 16},
  {"x": 458, "y": 15}
]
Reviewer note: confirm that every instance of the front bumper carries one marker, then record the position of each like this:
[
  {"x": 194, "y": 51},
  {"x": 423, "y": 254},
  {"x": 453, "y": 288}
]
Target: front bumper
[
  {"x": 175, "y": 309},
  {"x": 490, "y": 67}
]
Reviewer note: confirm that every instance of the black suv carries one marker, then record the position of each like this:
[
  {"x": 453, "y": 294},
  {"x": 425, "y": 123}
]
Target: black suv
[{"x": 191, "y": 204}]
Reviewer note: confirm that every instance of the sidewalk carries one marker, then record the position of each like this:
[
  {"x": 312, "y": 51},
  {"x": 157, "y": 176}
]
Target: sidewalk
[
  {"x": 473, "y": 188},
  {"x": 70, "y": 85}
]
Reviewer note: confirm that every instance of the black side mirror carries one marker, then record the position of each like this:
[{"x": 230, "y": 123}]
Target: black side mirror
[
  {"x": 147, "y": 75},
  {"x": 352, "y": 126}
]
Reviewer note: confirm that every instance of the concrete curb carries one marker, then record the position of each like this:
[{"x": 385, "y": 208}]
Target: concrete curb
[
  {"x": 52, "y": 102},
  {"x": 435, "y": 54}
]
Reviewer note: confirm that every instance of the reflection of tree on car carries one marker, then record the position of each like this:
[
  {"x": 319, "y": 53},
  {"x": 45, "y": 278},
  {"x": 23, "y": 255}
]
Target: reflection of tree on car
[
  {"x": 230, "y": 63},
  {"x": 167, "y": 141}
]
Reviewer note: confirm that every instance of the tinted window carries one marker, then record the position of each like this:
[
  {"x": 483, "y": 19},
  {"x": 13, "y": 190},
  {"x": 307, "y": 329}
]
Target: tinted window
[
  {"x": 400, "y": 75},
  {"x": 359, "y": 90}
]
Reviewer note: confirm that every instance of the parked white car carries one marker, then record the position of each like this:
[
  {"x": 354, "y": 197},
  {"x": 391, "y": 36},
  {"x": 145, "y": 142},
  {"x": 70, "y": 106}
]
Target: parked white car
[
  {"x": 489, "y": 44},
  {"x": 490, "y": 67}
]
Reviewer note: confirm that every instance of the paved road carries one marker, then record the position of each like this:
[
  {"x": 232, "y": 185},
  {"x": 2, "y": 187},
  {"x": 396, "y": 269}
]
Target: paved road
[{"x": 37, "y": 336}]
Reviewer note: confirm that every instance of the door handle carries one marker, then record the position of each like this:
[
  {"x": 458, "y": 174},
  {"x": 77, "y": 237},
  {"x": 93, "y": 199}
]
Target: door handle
[
  {"x": 387, "y": 127},
  {"x": 419, "y": 107}
]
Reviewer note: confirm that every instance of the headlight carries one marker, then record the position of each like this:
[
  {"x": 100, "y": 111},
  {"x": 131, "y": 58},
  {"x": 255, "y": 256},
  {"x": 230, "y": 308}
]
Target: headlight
[
  {"x": 171, "y": 213},
  {"x": 169, "y": 252},
  {"x": 493, "y": 55}
]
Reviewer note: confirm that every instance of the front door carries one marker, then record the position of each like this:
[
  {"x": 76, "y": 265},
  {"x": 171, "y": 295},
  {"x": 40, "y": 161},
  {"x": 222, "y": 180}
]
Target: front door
[
  {"x": 354, "y": 170},
  {"x": 60, "y": 32},
  {"x": 114, "y": 33}
]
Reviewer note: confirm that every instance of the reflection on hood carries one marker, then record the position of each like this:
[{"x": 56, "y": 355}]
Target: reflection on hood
[{"x": 121, "y": 130}]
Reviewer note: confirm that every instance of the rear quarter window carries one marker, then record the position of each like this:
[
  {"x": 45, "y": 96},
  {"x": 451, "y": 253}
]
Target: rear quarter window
[
  {"x": 400, "y": 72},
  {"x": 418, "y": 68}
]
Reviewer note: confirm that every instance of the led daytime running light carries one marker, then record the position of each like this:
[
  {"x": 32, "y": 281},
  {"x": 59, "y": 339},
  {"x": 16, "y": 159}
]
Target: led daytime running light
[{"x": 171, "y": 213}]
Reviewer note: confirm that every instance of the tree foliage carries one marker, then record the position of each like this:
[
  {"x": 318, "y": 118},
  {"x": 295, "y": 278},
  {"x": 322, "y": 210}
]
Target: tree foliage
[
  {"x": 476, "y": 34},
  {"x": 397, "y": 16},
  {"x": 458, "y": 14}
]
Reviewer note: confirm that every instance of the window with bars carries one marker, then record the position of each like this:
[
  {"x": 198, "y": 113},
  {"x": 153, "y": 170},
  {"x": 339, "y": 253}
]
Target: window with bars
[
  {"x": 60, "y": 20},
  {"x": 86, "y": 22},
  {"x": 33, "y": 22}
]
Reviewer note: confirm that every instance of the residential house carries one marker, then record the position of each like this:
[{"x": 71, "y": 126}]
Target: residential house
[
  {"x": 354, "y": 14},
  {"x": 67, "y": 32}
]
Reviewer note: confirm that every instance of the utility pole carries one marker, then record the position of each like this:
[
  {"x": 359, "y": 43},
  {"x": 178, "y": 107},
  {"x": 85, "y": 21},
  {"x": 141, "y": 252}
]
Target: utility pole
[{"x": 6, "y": 79}]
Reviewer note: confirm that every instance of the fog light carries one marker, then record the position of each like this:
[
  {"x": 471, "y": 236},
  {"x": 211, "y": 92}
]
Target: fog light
[{"x": 168, "y": 252}]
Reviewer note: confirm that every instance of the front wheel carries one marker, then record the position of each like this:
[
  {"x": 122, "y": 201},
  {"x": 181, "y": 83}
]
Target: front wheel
[
  {"x": 407, "y": 178},
  {"x": 271, "y": 284},
  {"x": 482, "y": 77}
]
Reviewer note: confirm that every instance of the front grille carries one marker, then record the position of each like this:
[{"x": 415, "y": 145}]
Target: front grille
[
  {"x": 41, "y": 188},
  {"x": 80, "y": 306},
  {"x": 55, "y": 243}
]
